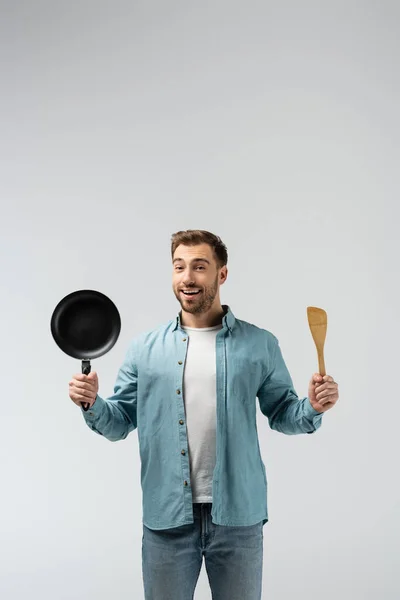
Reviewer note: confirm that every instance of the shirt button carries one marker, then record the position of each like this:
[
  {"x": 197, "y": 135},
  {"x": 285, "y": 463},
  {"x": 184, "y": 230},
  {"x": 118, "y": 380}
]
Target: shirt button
[
  {"x": 183, "y": 452},
  {"x": 185, "y": 483},
  {"x": 184, "y": 340},
  {"x": 181, "y": 422},
  {"x": 178, "y": 391},
  {"x": 179, "y": 362}
]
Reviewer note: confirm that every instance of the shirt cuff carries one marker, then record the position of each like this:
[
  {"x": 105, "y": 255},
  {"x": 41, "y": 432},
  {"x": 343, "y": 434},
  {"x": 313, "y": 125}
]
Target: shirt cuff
[
  {"x": 309, "y": 410},
  {"x": 95, "y": 410}
]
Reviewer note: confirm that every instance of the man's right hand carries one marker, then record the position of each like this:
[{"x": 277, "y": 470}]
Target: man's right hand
[{"x": 83, "y": 389}]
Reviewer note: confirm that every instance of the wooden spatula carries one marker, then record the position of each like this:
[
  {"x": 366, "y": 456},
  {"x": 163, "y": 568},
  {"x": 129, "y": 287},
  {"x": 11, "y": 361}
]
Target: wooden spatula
[{"x": 318, "y": 321}]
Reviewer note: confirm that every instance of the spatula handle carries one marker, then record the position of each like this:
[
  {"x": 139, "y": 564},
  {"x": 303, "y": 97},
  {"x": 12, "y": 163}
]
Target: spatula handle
[{"x": 321, "y": 364}]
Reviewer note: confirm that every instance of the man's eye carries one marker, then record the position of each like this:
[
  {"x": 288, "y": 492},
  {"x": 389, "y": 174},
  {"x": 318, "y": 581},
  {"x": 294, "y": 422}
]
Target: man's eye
[{"x": 179, "y": 268}]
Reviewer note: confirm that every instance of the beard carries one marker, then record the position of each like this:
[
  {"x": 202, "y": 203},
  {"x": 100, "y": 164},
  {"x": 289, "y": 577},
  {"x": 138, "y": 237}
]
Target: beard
[{"x": 201, "y": 303}]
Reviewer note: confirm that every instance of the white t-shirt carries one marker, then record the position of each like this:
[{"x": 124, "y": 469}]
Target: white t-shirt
[{"x": 200, "y": 400}]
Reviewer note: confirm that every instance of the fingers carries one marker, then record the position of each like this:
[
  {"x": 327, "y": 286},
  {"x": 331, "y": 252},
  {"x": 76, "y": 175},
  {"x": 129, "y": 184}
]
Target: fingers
[
  {"x": 325, "y": 391},
  {"x": 83, "y": 381},
  {"x": 91, "y": 378},
  {"x": 327, "y": 378},
  {"x": 323, "y": 383},
  {"x": 79, "y": 395},
  {"x": 80, "y": 392},
  {"x": 83, "y": 389},
  {"x": 82, "y": 385},
  {"x": 325, "y": 386},
  {"x": 326, "y": 396},
  {"x": 318, "y": 378}
]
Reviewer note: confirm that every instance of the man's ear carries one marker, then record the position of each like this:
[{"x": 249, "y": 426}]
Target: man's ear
[{"x": 224, "y": 272}]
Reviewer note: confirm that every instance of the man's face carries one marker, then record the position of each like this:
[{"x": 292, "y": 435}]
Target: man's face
[{"x": 194, "y": 268}]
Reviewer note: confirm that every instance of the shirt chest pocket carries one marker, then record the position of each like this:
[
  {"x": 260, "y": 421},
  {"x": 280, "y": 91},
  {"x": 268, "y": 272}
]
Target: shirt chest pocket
[{"x": 245, "y": 373}]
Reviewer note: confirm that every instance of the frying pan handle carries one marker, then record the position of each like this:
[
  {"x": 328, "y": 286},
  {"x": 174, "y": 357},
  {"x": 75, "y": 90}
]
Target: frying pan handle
[{"x": 85, "y": 370}]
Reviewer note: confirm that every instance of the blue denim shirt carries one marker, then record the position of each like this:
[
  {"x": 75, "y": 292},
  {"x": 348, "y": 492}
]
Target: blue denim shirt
[{"x": 148, "y": 396}]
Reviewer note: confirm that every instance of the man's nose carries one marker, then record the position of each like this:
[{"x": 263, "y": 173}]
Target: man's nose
[{"x": 188, "y": 279}]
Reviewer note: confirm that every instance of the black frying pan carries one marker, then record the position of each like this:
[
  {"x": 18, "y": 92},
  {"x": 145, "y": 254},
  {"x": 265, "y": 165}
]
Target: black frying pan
[{"x": 85, "y": 324}]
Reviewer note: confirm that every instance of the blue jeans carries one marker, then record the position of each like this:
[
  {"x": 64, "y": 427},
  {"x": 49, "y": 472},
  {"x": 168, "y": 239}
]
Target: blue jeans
[{"x": 172, "y": 559}]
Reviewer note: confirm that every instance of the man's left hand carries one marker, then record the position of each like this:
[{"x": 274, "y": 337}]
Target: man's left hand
[{"x": 323, "y": 392}]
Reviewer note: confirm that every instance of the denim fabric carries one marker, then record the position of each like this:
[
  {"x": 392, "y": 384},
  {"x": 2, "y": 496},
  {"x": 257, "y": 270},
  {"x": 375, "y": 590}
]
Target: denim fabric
[
  {"x": 233, "y": 556},
  {"x": 148, "y": 395}
]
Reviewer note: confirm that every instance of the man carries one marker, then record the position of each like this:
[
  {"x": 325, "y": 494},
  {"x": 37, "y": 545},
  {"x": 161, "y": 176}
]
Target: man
[{"x": 189, "y": 387}]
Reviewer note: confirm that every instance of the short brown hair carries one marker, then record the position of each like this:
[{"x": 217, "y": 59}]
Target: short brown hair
[{"x": 192, "y": 237}]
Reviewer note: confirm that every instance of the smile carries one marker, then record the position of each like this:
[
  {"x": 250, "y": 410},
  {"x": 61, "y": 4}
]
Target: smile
[{"x": 191, "y": 293}]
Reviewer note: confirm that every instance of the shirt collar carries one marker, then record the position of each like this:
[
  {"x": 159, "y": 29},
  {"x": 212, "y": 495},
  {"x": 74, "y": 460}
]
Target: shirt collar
[{"x": 228, "y": 320}]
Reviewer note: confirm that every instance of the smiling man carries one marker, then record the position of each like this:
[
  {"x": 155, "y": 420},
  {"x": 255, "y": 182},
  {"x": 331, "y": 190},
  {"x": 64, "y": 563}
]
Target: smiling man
[{"x": 189, "y": 387}]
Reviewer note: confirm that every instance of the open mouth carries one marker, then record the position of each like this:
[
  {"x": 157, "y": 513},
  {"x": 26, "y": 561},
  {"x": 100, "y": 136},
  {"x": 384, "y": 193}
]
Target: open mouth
[{"x": 190, "y": 294}]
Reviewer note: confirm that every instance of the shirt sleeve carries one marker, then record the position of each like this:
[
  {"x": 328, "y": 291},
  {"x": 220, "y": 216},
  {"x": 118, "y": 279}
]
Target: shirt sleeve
[
  {"x": 279, "y": 401},
  {"x": 116, "y": 416}
]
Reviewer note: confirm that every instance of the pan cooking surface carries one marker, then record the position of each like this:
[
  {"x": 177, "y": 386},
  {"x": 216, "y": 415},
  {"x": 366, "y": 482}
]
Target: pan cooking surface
[{"x": 85, "y": 324}]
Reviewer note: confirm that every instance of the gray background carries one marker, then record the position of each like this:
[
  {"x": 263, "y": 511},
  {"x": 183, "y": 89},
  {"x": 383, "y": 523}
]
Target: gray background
[{"x": 275, "y": 126}]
